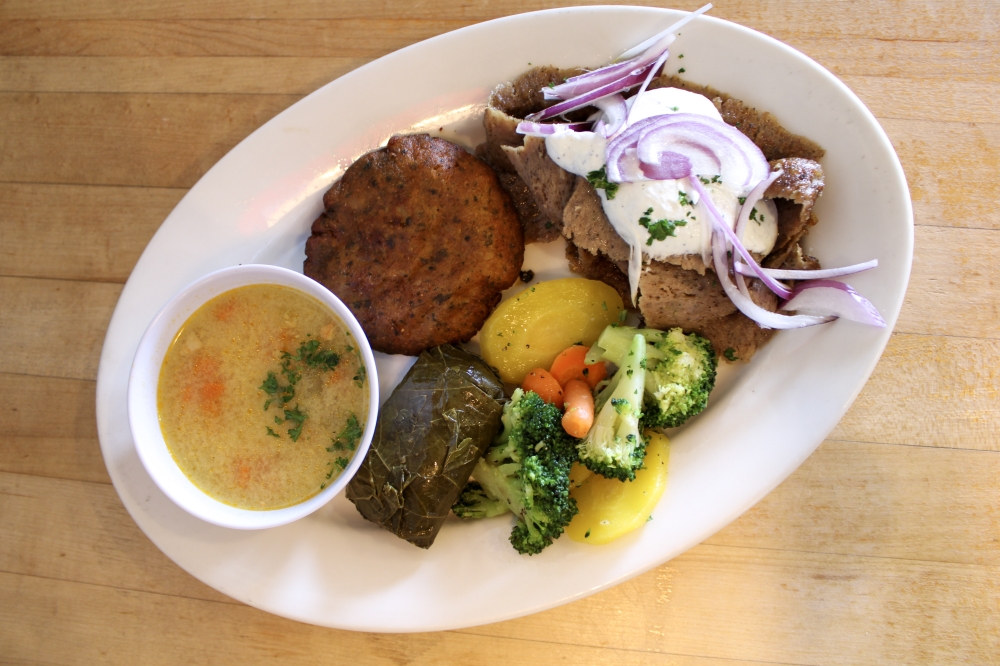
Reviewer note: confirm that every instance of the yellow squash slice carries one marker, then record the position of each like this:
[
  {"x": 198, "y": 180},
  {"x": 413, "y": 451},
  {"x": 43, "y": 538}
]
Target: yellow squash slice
[{"x": 610, "y": 508}]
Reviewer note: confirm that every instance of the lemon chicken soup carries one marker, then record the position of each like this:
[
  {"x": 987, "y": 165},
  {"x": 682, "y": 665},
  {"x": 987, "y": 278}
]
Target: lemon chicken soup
[{"x": 262, "y": 397}]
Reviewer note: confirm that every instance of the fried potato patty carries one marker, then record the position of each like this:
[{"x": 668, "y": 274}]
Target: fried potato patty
[{"x": 418, "y": 239}]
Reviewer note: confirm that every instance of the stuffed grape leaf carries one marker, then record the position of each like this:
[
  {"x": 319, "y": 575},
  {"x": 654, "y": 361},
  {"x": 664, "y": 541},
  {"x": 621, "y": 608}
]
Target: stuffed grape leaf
[{"x": 429, "y": 435}]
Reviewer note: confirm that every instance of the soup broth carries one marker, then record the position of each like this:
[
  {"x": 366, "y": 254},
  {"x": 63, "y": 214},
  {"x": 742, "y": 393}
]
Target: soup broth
[{"x": 262, "y": 397}]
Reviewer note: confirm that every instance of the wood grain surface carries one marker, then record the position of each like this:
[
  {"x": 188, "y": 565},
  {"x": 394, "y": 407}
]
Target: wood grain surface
[{"x": 883, "y": 548}]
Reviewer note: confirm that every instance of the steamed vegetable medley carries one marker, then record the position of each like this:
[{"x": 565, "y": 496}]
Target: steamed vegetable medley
[{"x": 578, "y": 450}]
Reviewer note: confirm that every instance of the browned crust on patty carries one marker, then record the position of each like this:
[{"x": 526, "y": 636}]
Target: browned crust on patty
[{"x": 418, "y": 239}]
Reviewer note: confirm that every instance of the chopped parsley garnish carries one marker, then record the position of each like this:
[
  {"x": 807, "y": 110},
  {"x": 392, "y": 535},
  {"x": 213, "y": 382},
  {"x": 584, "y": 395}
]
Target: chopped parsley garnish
[
  {"x": 743, "y": 200},
  {"x": 342, "y": 463},
  {"x": 359, "y": 378},
  {"x": 660, "y": 229},
  {"x": 622, "y": 316},
  {"x": 297, "y": 416},
  {"x": 349, "y": 436},
  {"x": 682, "y": 199},
  {"x": 730, "y": 354},
  {"x": 289, "y": 372},
  {"x": 599, "y": 179},
  {"x": 314, "y": 356},
  {"x": 709, "y": 181},
  {"x": 681, "y": 70},
  {"x": 270, "y": 385},
  {"x": 753, "y": 216}
]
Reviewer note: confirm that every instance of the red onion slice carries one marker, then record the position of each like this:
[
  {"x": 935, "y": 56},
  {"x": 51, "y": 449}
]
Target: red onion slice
[
  {"x": 647, "y": 53},
  {"x": 631, "y": 79},
  {"x": 818, "y": 274},
  {"x": 817, "y": 299},
  {"x": 829, "y": 297},
  {"x": 615, "y": 112},
  {"x": 752, "y": 198},
  {"x": 711, "y": 146},
  {"x": 745, "y": 304},
  {"x": 585, "y": 83},
  {"x": 644, "y": 46},
  {"x": 781, "y": 290},
  {"x": 657, "y": 67},
  {"x": 550, "y": 129}
]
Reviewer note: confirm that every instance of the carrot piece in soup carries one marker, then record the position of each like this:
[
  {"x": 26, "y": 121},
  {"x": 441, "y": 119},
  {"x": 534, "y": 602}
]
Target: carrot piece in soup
[
  {"x": 545, "y": 385},
  {"x": 579, "y": 416},
  {"x": 570, "y": 365}
]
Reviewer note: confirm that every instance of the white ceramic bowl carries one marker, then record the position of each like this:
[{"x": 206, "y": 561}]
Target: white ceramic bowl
[{"x": 143, "y": 414}]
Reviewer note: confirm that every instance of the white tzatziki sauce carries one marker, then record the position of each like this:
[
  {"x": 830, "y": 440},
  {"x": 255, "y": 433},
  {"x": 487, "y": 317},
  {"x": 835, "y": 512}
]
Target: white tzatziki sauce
[{"x": 670, "y": 200}]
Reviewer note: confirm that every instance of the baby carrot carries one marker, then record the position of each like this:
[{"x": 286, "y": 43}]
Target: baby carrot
[
  {"x": 579, "y": 414},
  {"x": 545, "y": 385},
  {"x": 570, "y": 365}
]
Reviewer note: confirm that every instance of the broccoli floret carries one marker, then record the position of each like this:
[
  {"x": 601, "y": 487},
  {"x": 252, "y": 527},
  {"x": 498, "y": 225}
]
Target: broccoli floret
[
  {"x": 680, "y": 372},
  {"x": 614, "y": 447},
  {"x": 475, "y": 503},
  {"x": 525, "y": 471}
]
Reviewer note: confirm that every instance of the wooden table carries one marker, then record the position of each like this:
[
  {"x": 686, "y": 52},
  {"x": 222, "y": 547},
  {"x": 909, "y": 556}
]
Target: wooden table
[{"x": 884, "y": 547}]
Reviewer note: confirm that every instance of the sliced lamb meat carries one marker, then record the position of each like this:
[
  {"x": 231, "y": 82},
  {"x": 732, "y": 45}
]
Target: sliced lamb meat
[
  {"x": 801, "y": 180},
  {"x": 670, "y": 296},
  {"x": 737, "y": 332},
  {"x": 797, "y": 260},
  {"x": 763, "y": 129},
  {"x": 585, "y": 223},
  {"x": 598, "y": 267},
  {"x": 685, "y": 305},
  {"x": 508, "y": 105},
  {"x": 794, "y": 193},
  {"x": 537, "y": 228},
  {"x": 501, "y": 130},
  {"x": 550, "y": 184},
  {"x": 689, "y": 262}
]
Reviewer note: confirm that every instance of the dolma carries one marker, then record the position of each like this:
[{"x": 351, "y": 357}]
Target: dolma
[{"x": 430, "y": 433}]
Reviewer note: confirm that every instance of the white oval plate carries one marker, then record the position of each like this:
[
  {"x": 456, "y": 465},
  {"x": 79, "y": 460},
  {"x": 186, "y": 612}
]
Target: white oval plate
[{"x": 256, "y": 205}]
